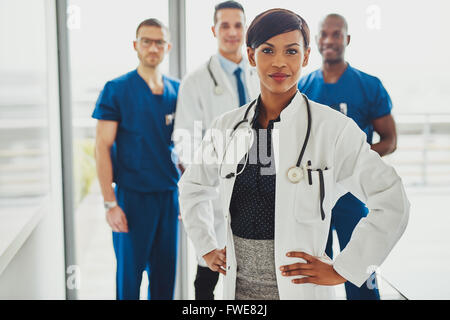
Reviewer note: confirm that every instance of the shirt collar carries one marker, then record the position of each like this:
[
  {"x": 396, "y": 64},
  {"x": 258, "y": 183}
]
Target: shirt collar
[
  {"x": 342, "y": 75},
  {"x": 229, "y": 66},
  {"x": 255, "y": 117}
]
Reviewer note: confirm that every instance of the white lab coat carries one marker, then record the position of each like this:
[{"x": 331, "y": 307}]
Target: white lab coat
[
  {"x": 337, "y": 143},
  {"x": 197, "y": 101}
]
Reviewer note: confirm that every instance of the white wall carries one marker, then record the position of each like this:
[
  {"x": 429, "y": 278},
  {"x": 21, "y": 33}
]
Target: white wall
[{"x": 37, "y": 270}]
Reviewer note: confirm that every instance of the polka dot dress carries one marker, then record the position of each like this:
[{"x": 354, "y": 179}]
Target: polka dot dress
[{"x": 252, "y": 205}]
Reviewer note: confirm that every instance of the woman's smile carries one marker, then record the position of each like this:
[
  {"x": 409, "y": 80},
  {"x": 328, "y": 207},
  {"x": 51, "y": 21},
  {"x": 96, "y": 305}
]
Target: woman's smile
[{"x": 279, "y": 76}]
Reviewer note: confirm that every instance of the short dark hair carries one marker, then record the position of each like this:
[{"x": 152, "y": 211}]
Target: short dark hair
[
  {"x": 152, "y": 22},
  {"x": 274, "y": 22},
  {"x": 227, "y": 5},
  {"x": 335, "y": 16}
]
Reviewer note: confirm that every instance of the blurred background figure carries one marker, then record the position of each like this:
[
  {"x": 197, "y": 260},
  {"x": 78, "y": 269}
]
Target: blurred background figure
[
  {"x": 134, "y": 150},
  {"x": 223, "y": 82}
]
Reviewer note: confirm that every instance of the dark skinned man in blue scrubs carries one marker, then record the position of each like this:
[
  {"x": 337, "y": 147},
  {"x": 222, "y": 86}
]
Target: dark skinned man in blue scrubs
[{"x": 363, "y": 98}]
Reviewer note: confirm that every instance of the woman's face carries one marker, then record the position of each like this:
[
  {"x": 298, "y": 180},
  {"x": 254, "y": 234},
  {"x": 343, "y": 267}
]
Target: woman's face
[{"x": 279, "y": 61}]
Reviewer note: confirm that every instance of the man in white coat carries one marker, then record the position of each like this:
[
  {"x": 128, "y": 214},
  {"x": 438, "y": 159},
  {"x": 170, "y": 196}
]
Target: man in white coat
[{"x": 225, "y": 81}]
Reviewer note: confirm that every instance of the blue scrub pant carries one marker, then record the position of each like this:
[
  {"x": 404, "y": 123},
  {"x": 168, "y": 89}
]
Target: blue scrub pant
[
  {"x": 344, "y": 218},
  {"x": 150, "y": 244}
]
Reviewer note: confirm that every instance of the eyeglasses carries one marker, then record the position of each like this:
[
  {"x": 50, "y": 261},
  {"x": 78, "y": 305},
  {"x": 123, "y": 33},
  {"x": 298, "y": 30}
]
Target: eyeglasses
[{"x": 147, "y": 43}]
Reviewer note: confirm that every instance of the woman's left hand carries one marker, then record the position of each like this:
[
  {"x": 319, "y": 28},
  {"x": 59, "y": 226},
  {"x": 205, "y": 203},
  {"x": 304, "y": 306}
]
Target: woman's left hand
[{"x": 314, "y": 270}]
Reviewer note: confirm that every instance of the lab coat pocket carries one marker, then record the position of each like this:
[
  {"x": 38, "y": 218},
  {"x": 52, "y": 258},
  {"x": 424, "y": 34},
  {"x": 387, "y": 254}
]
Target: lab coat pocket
[
  {"x": 129, "y": 149},
  {"x": 314, "y": 196}
]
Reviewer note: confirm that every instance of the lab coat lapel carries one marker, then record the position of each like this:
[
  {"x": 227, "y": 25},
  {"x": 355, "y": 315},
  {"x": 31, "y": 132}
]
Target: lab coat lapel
[
  {"x": 226, "y": 192},
  {"x": 237, "y": 147},
  {"x": 293, "y": 123},
  {"x": 292, "y": 131},
  {"x": 237, "y": 142}
]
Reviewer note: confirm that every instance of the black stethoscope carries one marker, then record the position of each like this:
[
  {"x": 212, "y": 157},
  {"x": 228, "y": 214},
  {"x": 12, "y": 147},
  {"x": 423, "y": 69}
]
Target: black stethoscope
[{"x": 295, "y": 173}]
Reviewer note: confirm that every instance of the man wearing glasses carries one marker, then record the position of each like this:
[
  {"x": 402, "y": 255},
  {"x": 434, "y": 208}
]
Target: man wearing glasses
[{"x": 135, "y": 115}]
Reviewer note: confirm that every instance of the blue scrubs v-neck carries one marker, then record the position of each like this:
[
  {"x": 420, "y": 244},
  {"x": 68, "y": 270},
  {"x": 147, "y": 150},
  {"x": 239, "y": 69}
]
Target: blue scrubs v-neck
[
  {"x": 364, "y": 96},
  {"x": 143, "y": 153}
]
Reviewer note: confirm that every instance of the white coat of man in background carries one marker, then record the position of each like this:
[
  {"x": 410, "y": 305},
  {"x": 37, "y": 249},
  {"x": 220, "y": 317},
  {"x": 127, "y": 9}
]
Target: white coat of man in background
[{"x": 223, "y": 83}]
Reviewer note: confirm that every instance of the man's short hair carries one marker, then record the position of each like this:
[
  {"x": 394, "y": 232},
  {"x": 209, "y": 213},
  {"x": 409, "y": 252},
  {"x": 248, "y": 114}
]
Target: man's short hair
[
  {"x": 335, "y": 16},
  {"x": 227, "y": 5},
  {"x": 153, "y": 22}
]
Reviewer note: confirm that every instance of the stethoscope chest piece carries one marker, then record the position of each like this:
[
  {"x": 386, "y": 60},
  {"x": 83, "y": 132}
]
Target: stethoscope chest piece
[
  {"x": 295, "y": 174},
  {"x": 218, "y": 90}
]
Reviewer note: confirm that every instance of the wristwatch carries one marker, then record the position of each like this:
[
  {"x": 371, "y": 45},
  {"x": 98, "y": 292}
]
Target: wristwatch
[{"x": 109, "y": 205}]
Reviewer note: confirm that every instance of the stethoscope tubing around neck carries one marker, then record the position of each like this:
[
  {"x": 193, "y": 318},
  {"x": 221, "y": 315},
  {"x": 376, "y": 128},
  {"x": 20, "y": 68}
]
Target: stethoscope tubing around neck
[
  {"x": 244, "y": 119},
  {"x": 308, "y": 130},
  {"x": 217, "y": 88},
  {"x": 211, "y": 73}
]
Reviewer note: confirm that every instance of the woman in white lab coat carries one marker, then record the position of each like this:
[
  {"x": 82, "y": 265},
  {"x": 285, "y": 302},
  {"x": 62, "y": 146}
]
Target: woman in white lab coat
[{"x": 281, "y": 162}]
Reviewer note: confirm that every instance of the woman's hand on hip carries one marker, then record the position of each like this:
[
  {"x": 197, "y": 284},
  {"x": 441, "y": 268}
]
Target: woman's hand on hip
[
  {"x": 217, "y": 260},
  {"x": 314, "y": 270}
]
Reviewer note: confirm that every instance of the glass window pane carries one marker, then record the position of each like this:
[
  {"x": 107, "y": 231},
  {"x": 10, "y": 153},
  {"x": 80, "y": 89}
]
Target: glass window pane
[{"x": 24, "y": 140}]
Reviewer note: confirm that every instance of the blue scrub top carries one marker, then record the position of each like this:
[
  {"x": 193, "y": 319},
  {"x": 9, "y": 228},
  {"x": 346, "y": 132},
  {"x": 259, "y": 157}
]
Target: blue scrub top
[
  {"x": 366, "y": 100},
  {"x": 364, "y": 95},
  {"x": 143, "y": 153}
]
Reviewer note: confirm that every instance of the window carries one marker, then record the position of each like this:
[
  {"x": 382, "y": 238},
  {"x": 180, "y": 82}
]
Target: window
[{"x": 24, "y": 135}]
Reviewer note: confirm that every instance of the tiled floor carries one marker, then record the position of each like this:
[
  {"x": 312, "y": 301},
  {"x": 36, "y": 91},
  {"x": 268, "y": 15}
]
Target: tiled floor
[{"x": 426, "y": 235}]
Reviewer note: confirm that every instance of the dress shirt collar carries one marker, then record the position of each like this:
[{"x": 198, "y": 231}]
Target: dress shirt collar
[{"x": 229, "y": 66}]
